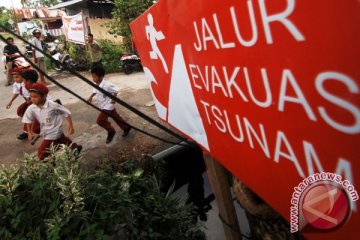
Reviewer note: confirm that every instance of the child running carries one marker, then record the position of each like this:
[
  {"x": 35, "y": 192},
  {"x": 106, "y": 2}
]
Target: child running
[
  {"x": 20, "y": 89},
  {"x": 30, "y": 77},
  {"x": 107, "y": 105},
  {"x": 50, "y": 116}
]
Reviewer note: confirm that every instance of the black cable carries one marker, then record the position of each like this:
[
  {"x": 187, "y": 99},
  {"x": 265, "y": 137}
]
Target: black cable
[
  {"x": 88, "y": 103},
  {"x": 116, "y": 99},
  {"x": 82, "y": 99}
]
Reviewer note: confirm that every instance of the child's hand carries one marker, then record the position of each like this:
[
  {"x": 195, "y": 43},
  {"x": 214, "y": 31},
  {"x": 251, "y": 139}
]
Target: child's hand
[
  {"x": 113, "y": 101},
  {"x": 8, "y": 105},
  {"x": 71, "y": 130},
  {"x": 30, "y": 135}
]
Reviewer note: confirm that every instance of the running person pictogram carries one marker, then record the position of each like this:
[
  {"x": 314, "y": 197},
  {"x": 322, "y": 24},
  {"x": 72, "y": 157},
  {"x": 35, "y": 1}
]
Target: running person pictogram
[{"x": 153, "y": 35}]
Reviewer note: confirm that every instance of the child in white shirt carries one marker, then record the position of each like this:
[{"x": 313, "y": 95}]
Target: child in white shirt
[
  {"x": 107, "y": 105},
  {"x": 50, "y": 115},
  {"x": 19, "y": 89}
]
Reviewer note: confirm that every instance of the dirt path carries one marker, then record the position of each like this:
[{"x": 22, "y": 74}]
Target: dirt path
[{"x": 134, "y": 90}]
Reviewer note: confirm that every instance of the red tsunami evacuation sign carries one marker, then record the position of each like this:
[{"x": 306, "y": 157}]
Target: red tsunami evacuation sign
[{"x": 271, "y": 89}]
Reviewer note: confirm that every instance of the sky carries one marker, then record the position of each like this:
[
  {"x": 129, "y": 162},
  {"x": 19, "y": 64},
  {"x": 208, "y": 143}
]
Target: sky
[{"x": 8, "y": 3}]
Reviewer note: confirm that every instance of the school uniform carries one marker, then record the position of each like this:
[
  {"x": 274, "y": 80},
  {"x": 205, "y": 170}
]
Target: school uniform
[
  {"x": 20, "y": 89},
  {"x": 108, "y": 108},
  {"x": 50, "y": 117}
]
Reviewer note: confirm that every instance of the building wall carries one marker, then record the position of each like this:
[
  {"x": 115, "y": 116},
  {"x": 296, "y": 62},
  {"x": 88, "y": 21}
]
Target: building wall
[
  {"x": 101, "y": 32},
  {"x": 100, "y": 10},
  {"x": 76, "y": 10},
  {"x": 54, "y": 24}
]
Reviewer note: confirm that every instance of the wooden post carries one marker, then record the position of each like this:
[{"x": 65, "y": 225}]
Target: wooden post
[
  {"x": 16, "y": 19},
  {"x": 84, "y": 25},
  {"x": 221, "y": 189},
  {"x": 86, "y": 32}
]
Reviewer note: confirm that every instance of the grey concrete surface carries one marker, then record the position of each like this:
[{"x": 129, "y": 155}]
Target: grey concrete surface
[{"x": 213, "y": 225}]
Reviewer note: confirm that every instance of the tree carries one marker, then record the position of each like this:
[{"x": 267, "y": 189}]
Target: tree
[
  {"x": 124, "y": 12},
  {"x": 5, "y": 16},
  {"x": 25, "y": 2},
  {"x": 49, "y": 3}
]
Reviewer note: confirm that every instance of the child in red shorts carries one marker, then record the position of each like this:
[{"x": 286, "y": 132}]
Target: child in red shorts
[
  {"x": 19, "y": 88},
  {"x": 107, "y": 105},
  {"x": 50, "y": 116}
]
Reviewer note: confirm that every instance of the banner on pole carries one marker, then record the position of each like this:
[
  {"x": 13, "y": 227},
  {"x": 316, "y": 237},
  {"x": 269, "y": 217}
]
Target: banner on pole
[{"x": 73, "y": 28}]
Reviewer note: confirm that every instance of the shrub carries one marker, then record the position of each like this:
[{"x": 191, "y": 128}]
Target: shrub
[
  {"x": 48, "y": 63},
  {"x": 111, "y": 55},
  {"x": 79, "y": 54},
  {"x": 58, "y": 199},
  {"x": 124, "y": 12}
]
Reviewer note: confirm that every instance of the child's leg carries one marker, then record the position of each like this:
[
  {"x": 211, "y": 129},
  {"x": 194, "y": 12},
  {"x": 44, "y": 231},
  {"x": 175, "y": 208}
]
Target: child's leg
[
  {"x": 119, "y": 120},
  {"x": 67, "y": 141},
  {"x": 20, "y": 112},
  {"x": 35, "y": 128},
  {"x": 8, "y": 74},
  {"x": 21, "y": 109},
  {"x": 43, "y": 150},
  {"x": 102, "y": 121},
  {"x": 24, "y": 134}
]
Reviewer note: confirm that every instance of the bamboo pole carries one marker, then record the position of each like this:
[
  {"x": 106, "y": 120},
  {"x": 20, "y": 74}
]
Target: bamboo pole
[{"x": 221, "y": 189}]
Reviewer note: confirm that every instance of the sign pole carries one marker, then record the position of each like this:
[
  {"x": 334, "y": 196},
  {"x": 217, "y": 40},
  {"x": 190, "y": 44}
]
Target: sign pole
[
  {"x": 16, "y": 20},
  {"x": 84, "y": 25},
  {"x": 221, "y": 188},
  {"x": 85, "y": 32}
]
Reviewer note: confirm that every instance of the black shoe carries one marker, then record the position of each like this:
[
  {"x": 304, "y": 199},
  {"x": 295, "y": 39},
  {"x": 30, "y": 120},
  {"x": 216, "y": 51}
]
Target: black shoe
[
  {"x": 110, "y": 137},
  {"x": 22, "y": 136},
  {"x": 78, "y": 149},
  {"x": 126, "y": 132}
]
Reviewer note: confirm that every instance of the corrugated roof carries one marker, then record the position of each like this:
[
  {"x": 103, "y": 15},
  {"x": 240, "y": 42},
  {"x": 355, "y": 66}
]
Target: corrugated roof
[
  {"x": 73, "y": 2},
  {"x": 23, "y": 13},
  {"x": 46, "y": 13},
  {"x": 39, "y": 12}
]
